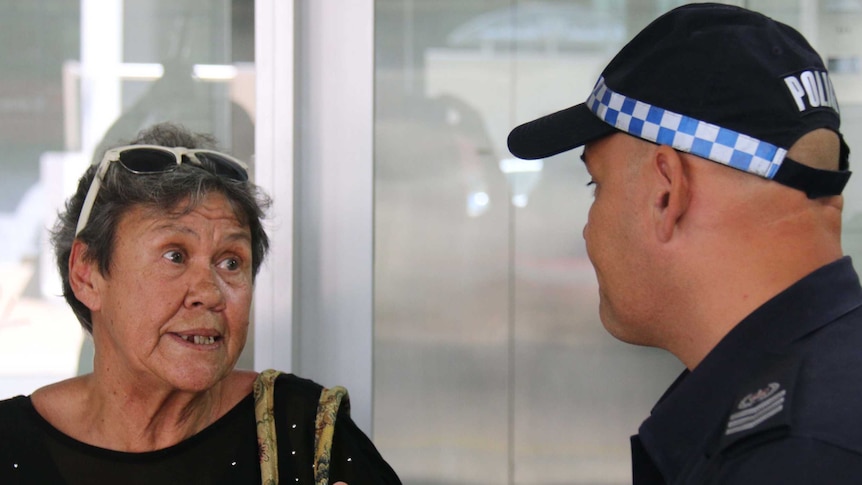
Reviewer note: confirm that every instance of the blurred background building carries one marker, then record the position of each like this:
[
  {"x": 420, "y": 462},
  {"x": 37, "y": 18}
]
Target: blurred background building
[{"x": 414, "y": 260}]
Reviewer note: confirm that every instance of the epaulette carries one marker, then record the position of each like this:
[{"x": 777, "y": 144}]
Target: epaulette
[{"x": 762, "y": 408}]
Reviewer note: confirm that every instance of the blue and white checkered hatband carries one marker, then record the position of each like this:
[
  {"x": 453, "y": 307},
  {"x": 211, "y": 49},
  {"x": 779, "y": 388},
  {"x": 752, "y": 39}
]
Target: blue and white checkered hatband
[{"x": 684, "y": 133}]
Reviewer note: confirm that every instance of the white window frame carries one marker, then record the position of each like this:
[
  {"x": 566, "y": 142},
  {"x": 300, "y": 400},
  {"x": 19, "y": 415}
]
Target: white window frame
[{"x": 314, "y": 154}]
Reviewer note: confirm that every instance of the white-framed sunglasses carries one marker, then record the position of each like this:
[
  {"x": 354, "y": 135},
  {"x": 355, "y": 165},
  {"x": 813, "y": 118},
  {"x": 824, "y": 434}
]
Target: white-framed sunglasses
[{"x": 153, "y": 159}]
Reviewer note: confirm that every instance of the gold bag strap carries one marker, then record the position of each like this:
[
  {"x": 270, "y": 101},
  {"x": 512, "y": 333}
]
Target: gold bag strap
[
  {"x": 324, "y": 427},
  {"x": 267, "y": 448}
]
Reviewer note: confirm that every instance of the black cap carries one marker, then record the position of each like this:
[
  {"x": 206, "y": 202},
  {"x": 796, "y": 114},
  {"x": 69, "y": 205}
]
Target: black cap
[{"x": 719, "y": 81}]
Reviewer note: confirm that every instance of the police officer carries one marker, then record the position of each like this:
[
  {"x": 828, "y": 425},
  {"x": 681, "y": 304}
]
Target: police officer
[{"x": 713, "y": 143}]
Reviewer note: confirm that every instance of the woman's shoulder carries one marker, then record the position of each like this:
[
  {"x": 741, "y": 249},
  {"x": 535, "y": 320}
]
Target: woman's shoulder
[
  {"x": 19, "y": 424},
  {"x": 297, "y": 392},
  {"x": 299, "y": 384},
  {"x": 12, "y": 411},
  {"x": 62, "y": 403},
  {"x": 23, "y": 458},
  {"x": 237, "y": 385},
  {"x": 295, "y": 400}
]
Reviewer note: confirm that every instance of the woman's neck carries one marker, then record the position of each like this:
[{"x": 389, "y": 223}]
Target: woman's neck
[{"x": 139, "y": 417}]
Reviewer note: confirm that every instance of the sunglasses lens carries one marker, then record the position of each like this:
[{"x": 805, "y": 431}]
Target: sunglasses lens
[
  {"x": 223, "y": 166},
  {"x": 148, "y": 160},
  {"x": 157, "y": 160}
]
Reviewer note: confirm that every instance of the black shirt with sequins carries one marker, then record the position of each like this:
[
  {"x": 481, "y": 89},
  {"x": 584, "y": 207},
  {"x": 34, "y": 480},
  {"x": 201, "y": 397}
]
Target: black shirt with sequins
[{"x": 32, "y": 451}]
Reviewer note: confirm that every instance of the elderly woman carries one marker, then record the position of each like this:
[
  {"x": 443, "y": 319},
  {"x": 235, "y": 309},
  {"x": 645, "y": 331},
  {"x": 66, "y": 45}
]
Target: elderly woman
[{"x": 158, "y": 250}]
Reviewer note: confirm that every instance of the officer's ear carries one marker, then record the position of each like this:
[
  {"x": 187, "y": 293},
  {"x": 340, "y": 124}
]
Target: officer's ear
[{"x": 671, "y": 195}]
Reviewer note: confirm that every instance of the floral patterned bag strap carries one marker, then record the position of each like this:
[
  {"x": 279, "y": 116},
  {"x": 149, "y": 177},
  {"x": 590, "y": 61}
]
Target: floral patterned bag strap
[
  {"x": 324, "y": 429},
  {"x": 264, "y": 392}
]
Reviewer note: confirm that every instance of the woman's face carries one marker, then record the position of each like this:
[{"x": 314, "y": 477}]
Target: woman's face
[{"x": 174, "y": 309}]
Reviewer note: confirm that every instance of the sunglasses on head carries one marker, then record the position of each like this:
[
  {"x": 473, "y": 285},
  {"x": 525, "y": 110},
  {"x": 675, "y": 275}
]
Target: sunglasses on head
[{"x": 152, "y": 159}]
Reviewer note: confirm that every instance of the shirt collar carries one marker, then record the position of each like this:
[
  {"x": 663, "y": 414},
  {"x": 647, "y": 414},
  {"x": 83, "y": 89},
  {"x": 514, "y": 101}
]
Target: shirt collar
[{"x": 692, "y": 410}]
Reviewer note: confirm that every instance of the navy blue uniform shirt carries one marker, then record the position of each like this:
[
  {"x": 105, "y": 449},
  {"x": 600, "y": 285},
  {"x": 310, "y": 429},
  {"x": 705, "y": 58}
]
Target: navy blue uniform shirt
[{"x": 777, "y": 401}]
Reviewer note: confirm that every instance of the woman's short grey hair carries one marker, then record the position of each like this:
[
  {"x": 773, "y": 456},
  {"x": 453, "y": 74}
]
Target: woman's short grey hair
[{"x": 122, "y": 190}]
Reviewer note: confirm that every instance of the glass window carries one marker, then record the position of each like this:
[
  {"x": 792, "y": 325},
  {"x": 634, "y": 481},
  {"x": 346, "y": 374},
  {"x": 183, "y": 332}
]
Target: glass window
[
  {"x": 76, "y": 76},
  {"x": 491, "y": 365}
]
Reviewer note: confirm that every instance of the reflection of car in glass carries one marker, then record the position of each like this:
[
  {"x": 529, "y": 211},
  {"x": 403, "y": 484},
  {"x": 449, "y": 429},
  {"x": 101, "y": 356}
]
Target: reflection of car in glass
[{"x": 542, "y": 26}]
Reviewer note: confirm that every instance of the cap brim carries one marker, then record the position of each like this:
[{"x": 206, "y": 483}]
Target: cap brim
[{"x": 557, "y": 132}]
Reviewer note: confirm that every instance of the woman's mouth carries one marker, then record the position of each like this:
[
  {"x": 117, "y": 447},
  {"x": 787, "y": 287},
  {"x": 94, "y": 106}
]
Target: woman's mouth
[{"x": 200, "y": 339}]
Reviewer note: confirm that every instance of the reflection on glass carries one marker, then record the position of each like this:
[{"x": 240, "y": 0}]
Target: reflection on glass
[
  {"x": 477, "y": 203},
  {"x": 523, "y": 176},
  {"x": 491, "y": 365}
]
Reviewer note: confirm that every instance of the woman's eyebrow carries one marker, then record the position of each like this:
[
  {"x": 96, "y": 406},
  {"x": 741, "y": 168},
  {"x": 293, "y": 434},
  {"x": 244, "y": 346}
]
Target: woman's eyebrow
[{"x": 233, "y": 235}]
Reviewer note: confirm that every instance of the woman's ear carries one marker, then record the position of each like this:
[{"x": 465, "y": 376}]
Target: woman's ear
[
  {"x": 84, "y": 277},
  {"x": 672, "y": 193}
]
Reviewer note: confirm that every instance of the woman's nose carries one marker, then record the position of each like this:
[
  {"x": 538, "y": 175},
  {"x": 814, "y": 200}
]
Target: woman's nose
[{"x": 204, "y": 289}]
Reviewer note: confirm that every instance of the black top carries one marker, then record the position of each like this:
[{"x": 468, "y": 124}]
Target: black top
[
  {"x": 779, "y": 399},
  {"x": 34, "y": 452}
]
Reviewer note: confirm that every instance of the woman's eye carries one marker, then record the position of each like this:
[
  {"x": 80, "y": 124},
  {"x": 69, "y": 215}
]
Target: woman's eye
[
  {"x": 592, "y": 183},
  {"x": 231, "y": 264},
  {"x": 174, "y": 256}
]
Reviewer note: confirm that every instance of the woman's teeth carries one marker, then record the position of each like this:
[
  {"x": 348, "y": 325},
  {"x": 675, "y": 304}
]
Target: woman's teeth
[{"x": 199, "y": 339}]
